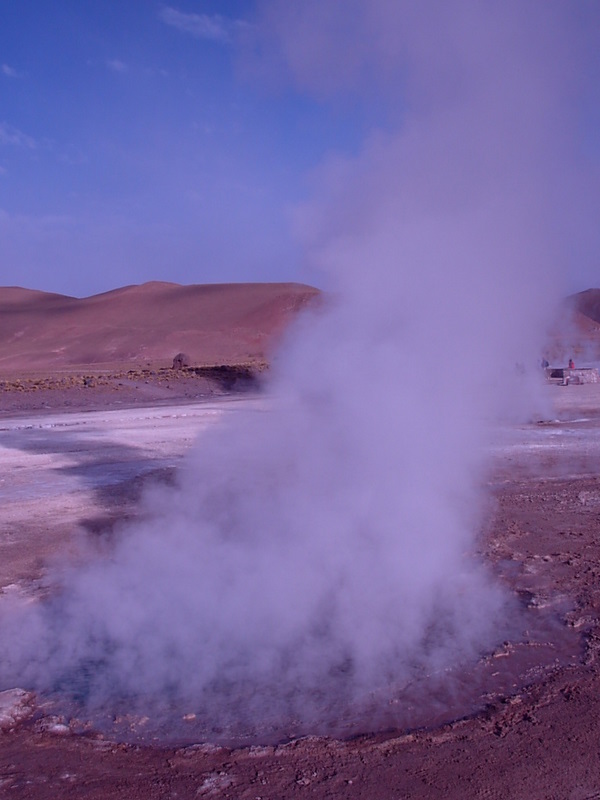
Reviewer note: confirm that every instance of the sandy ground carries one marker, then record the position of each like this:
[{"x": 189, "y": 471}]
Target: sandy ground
[{"x": 537, "y": 737}]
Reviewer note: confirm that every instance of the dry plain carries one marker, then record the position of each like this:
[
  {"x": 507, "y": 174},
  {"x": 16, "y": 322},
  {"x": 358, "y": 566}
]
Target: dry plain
[{"x": 73, "y": 473}]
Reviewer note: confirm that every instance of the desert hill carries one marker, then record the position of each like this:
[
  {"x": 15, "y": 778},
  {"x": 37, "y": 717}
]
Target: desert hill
[
  {"x": 152, "y": 322},
  {"x": 212, "y": 324},
  {"x": 576, "y": 332},
  {"x": 587, "y": 305}
]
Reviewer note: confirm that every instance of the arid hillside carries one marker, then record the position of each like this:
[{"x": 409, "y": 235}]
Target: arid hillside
[
  {"x": 149, "y": 323},
  {"x": 137, "y": 326},
  {"x": 587, "y": 304},
  {"x": 576, "y": 331}
]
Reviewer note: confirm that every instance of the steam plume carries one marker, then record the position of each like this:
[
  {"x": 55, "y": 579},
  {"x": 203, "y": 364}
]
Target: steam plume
[{"x": 320, "y": 551}]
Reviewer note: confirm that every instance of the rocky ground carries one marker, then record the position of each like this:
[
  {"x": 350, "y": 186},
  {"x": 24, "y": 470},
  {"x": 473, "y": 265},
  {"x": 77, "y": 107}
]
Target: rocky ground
[
  {"x": 112, "y": 387},
  {"x": 534, "y": 736}
]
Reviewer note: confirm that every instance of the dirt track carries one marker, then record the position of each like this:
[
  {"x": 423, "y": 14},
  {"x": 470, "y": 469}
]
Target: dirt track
[{"x": 540, "y": 740}]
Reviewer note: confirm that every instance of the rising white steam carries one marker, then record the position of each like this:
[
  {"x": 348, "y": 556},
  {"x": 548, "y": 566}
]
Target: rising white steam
[{"x": 321, "y": 550}]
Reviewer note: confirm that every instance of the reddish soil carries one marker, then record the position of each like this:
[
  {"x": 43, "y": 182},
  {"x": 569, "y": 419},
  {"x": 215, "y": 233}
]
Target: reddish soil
[
  {"x": 539, "y": 740},
  {"x": 94, "y": 388}
]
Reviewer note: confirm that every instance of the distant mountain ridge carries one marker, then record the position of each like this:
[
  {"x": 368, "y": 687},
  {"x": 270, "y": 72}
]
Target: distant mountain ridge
[{"x": 150, "y": 322}]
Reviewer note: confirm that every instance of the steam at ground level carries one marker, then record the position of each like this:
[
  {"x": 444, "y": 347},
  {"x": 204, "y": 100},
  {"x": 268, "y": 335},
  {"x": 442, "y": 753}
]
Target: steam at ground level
[{"x": 314, "y": 558}]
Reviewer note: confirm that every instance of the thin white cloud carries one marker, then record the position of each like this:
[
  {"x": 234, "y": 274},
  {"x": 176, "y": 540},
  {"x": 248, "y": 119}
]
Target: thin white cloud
[
  {"x": 10, "y": 72},
  {"x": 73, "y": 159},
  {"x": 35, "y": 226},
  {"x": 116, "y": 65},
  {"x": 9, "y": 135},
  {"x": 202, "y": 26}
]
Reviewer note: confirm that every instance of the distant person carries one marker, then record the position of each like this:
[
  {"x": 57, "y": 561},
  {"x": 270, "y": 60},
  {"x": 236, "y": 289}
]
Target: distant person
[
  {"x": 545, "y": 363},
  {"x": 571, "y": 364}
]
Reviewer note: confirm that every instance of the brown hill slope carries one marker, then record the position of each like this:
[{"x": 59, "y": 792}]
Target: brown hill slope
[
  {"x": 587, "y": 304},
  {"x": 576, "y": 332},
  {"x": 213, "y": 324}
]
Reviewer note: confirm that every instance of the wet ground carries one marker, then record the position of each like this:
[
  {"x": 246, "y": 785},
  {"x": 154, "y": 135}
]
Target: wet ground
[
  {"x": 533, "y": 731},
  {"x": 84, "y": 469}
]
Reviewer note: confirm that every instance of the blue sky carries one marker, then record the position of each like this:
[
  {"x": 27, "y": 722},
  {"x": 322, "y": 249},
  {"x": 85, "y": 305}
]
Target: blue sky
[
  {"x": 133, "y": 146},
  {"x": 140, "y": 141}
]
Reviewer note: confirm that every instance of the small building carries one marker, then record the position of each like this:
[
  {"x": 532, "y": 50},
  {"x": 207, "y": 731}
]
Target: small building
[{"x": 575, "y": 375}]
